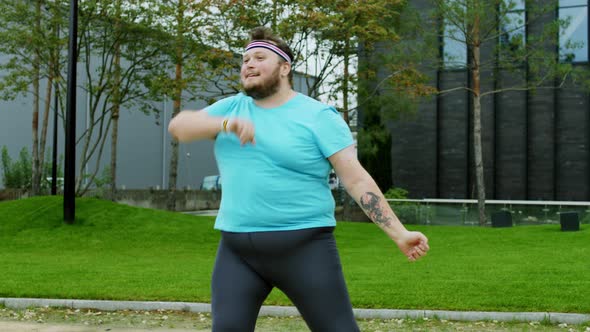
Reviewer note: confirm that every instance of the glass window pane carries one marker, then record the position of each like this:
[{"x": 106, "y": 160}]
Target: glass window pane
[
  {"x": 513, "y": 31},
  {"x": 573, "y": 40},
  {"x": 564, "y": 3},
  {"x": 454, "y": 48},
  {"x": 515, "y": 4}
]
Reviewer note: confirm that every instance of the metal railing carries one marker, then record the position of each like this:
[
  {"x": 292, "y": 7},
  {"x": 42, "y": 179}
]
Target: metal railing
[{"x": 431, "y": 211}]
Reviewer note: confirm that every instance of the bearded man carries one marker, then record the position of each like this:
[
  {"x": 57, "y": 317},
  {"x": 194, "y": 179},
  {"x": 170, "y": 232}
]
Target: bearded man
[{"x": 275, "y": 149}]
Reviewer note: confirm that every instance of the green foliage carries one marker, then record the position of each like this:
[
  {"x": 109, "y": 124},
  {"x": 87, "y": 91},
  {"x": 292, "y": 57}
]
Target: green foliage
[
  {"x": 18, "y": 174},
  {"x": 374, "y": 146},
  {"x": 102, "y": 182},
  {"x": 389, "y": 86},
  {"x": 371, "y": 140},
  {"x": 25, "y": 32},
  {"x": 407, "y": 212},
  {"x": 104, "y": 179},
  {"x": 396, "y": 193},
  {"x": 501, "y": 26}
]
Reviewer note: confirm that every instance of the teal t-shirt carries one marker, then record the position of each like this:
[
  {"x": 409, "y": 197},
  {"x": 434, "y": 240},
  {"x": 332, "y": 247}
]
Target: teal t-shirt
[{"x": 281, "y": 182}]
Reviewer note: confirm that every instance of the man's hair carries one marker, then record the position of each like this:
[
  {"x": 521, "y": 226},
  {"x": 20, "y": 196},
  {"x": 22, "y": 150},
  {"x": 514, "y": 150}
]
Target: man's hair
[{"x": 266, "y": 34}]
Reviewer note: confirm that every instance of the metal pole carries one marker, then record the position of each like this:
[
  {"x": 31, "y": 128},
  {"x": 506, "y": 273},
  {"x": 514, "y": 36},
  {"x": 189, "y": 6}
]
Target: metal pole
[
  {"x": 56, "y": 110},
  {"x": 70, "y": 148}
]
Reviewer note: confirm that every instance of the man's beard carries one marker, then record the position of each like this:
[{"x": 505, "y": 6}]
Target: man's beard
[{"x": 266, "y": 88}]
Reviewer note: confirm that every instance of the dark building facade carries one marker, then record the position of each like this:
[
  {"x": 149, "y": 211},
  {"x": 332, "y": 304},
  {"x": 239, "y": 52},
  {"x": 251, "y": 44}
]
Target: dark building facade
[{"x": 536, "y": 144}]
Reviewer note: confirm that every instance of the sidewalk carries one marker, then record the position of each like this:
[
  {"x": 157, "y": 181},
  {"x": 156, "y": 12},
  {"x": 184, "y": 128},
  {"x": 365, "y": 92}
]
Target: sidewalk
[
  {"x": 280, "y": 311},
  {"x": 35, "y": 327}
]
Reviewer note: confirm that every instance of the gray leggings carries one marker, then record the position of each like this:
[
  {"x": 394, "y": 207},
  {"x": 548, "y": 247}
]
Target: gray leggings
[{"x": 304, "y": 264}]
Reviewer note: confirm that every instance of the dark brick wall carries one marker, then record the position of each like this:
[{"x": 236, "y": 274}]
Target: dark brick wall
[
  {"x": 540, "y": 150},
  {"x": 511, "y": 133},
  {"x": 536, "y": 144},
  {"x": 488, "y": 140},
  {"x": 414, "y": 161},
  {"x": 572, "y": 119},
  {"x": 453, "y": 126}
]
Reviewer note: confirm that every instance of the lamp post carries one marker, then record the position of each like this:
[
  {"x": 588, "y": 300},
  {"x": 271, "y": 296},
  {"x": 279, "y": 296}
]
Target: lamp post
[
  {"x": 70, "y": 141},
  {"x": 55, "y": 118}
]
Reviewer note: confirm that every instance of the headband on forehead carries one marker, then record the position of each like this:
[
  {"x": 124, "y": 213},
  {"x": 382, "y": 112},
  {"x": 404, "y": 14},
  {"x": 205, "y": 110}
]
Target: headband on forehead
[{"x": 269, "y": 46}]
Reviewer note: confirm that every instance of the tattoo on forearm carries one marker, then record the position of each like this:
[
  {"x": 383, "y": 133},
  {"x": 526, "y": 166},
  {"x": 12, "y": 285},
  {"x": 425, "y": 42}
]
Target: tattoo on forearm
[{"x": 370, "y": 203}]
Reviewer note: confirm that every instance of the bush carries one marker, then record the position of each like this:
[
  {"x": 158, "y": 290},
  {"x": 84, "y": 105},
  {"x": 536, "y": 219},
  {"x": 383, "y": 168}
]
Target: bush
[
  {"x": 396, "y": 193},
  {"x": 407, "y": 212},
  {"x": 18, "y": 174}
]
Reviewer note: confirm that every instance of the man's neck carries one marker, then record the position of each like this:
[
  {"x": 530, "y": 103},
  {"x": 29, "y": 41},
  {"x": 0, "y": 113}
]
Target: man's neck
[{"x": 279, "y": 98}]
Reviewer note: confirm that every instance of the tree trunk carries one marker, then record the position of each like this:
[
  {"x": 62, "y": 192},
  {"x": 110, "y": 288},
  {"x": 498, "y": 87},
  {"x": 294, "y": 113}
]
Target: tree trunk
[
  {"x": 35, "y": 124},
  {"x": 44, "y": 126},
  {"x": 477, "y": 144},
  {"x": 274, "y": 16},
  {"x": 114, "y": 138},
  {"x": 173, "y": 175},
  {"x": 345, "y": 82},
  {"x": 116, "y": 104},
  {"x": 478, "y": 156}
]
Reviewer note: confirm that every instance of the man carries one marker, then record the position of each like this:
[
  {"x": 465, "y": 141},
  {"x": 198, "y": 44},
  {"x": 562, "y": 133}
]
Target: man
[{"x": 275, "y": 148}]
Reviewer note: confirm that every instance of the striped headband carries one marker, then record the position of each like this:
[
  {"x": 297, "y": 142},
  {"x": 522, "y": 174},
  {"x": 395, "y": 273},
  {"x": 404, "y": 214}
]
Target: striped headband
[{"x": 269, "y": 46}]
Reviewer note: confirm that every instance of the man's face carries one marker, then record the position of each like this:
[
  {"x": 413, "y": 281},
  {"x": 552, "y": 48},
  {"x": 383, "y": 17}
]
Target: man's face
[{"x": 260, "y": 73}]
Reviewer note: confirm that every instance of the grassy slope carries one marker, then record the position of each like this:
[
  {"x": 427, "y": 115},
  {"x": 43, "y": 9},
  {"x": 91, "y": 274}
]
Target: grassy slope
[{"x": 120, "y": 252}]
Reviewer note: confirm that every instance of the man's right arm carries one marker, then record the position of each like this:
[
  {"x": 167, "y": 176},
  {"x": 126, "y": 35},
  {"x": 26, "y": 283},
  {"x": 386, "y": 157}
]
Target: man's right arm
[{"x": 189, "y": 126}]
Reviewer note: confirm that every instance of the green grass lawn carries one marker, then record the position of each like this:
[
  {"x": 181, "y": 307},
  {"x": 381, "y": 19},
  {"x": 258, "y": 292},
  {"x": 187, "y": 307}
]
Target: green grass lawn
[{"x": 124, "y": 253}]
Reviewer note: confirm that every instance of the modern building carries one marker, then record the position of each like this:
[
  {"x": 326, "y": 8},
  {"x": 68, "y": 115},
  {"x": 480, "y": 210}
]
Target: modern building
[
  {"x": 536, "y": 143},
  {"x": 143, "y": 144}
]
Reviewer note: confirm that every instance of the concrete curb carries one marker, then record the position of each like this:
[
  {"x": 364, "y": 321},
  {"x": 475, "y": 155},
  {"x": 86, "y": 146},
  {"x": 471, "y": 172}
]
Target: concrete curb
[{"x": 554, "y": 317}]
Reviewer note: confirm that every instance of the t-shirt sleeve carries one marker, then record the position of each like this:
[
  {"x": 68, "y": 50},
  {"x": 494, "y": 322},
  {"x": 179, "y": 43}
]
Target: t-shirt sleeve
[
  {"x": 221, "y": 107},
  {"x": 331, "y": 132}
]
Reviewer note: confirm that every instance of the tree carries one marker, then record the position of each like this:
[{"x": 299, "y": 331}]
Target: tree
[
  {"x": 27, "y": 36},
  {"x": 182, "y": 26},
  {"x": 18, "y": 174},
  {"x": 325, "y": 39},
  {"x": 479, "y": 26},
  {"x": 120, "y": 57},
  {"x": 118, "y": 30},
  {"x": 357, "y": 30}
]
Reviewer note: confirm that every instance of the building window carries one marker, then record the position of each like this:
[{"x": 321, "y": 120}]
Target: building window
[
  {"x": 512, "y": 26},
  {"x": 573, "y": 38},
  {"x": 454, "y": 44}
]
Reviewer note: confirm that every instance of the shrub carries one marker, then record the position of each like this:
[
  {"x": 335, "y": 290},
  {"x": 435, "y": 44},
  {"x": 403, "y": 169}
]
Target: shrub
[
  {"x": 18, "y": 174},
  {"x": 407, "y": 212},
  {"x": 396, "y": 193}
]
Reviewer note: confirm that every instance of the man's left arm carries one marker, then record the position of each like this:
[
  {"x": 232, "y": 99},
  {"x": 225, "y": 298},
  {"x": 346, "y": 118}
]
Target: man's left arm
[{"x": 363, "y": 189}]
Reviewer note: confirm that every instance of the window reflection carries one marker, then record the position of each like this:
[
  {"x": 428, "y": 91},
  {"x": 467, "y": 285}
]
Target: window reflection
[
  {"x": 454, "y": 47},
  {"x": 454, "y": 44},
  {"x": 573, "y": 38},
  {"x": 512, "y": 27}
]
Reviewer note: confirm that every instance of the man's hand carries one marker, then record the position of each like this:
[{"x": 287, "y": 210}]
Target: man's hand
[
  {"x": 244, "y": 129},
  {"x": 413, "y": 244}
]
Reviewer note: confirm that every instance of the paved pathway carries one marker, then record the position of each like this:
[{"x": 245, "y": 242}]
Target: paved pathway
[
  {"x": 49, "y": 327},
  {"x": 283, "y": 311}
]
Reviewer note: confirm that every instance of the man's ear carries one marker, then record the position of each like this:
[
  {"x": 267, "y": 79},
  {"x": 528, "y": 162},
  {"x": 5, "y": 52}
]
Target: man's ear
[{"x": 285, "y": 69}]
